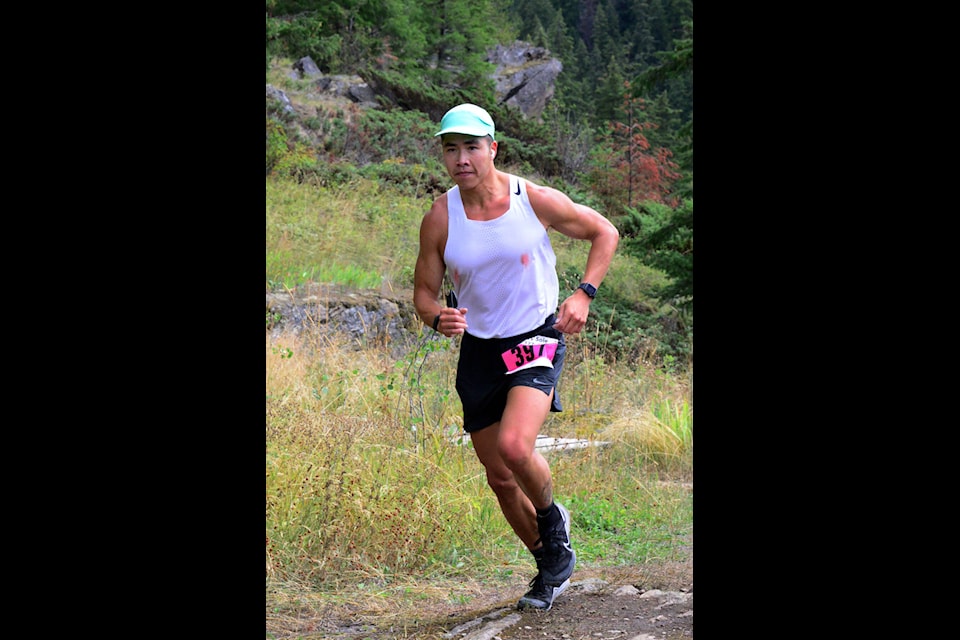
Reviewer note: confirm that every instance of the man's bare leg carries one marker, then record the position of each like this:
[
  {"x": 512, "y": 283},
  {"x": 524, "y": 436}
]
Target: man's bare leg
[{"x": 519, "y": 476}]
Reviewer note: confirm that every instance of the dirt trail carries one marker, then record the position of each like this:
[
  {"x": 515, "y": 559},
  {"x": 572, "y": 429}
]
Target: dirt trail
[
  {"x": 653, "y": 601},
  {"x": 591, "y": 609}
]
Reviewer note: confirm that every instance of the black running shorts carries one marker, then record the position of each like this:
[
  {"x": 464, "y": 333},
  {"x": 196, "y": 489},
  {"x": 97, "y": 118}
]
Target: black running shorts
[{"x": 482, "y": 378}]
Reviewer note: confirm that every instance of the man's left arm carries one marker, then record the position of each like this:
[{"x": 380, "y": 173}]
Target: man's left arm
[{"x": 583, "y": 223}]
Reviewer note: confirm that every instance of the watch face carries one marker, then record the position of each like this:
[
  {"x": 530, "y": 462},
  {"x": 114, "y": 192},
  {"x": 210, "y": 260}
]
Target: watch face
[{"x": 588, "y": 288}]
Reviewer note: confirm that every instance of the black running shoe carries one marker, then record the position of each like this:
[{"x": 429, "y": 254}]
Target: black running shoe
[
  {"x": 541, "y": 595},
  {"x": 559, "y": 558}
]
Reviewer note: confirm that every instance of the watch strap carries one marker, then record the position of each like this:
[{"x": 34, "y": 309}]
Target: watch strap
[{"x": 588, "y": 289}]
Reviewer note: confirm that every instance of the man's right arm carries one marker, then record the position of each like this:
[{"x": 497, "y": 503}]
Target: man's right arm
[{"x": 429, "y": 270}]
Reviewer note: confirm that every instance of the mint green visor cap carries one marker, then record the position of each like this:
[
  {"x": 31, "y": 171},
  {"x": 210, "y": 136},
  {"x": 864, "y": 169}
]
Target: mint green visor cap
[{"x": 467, "y": 119}]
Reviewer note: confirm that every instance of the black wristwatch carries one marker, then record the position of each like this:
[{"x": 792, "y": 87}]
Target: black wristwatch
[{"x": 588, "y": 289}]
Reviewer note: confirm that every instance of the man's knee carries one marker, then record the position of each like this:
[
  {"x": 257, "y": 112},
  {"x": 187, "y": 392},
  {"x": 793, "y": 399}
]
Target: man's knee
[
  {"x": 503, "y": 484},
  {"x": 515, "y": 453}
]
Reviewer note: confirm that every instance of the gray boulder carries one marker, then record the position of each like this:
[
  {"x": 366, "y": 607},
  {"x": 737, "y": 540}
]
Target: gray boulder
[
  {"x": 525, "y": 76},
  {"x": 278, "y": 94},
  {"x": 306, "y": 67}
]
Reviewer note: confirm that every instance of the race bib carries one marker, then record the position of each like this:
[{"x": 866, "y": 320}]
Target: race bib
[{"x": 537, "y": 351}]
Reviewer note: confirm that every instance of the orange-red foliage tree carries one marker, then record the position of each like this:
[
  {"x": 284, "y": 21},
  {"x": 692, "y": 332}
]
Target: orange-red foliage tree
[{"x": 625, "y": 170}]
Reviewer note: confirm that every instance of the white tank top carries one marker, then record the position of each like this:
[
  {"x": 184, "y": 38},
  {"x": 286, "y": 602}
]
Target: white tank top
[{"x": 504, "y": 271}]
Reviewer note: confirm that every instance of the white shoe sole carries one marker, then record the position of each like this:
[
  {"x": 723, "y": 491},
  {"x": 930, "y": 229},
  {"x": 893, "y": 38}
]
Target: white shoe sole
[{"x": 524, "y": 603}]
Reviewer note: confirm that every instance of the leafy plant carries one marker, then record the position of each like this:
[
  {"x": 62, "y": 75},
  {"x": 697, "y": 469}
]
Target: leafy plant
[{"x": 663, "y": 237}]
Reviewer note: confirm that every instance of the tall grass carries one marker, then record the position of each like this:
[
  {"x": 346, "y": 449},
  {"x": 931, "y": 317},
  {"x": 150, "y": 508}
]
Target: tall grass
[
  {"x": 369, "y": 478},
  {"x": 373, "y": 495}
]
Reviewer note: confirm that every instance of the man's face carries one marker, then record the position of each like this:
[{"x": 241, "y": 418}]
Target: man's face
[{"x": 467, "y": 158}]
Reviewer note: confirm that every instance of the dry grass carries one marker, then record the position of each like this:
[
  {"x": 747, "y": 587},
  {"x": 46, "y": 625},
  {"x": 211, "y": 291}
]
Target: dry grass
[{"x": 376, "y": 518}]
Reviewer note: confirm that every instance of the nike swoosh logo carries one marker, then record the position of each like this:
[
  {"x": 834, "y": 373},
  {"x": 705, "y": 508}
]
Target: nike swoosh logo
[{"x": 518, "y": 188}]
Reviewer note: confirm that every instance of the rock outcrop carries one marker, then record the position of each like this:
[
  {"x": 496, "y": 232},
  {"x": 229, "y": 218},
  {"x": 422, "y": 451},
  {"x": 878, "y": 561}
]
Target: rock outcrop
[
  {"x": 368, "y": 317},
  {"x": 525, "y": 78}
]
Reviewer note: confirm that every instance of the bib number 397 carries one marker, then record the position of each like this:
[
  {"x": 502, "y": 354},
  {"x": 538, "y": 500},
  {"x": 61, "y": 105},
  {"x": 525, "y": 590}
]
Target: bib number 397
[{"x": 537, "y": 351}]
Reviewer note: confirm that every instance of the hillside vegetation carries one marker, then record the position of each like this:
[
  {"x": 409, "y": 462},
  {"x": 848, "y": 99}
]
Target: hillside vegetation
[{"x": 617, "y": 135}]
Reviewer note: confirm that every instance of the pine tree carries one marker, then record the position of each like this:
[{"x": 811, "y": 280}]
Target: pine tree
[
  {"x": 527, "y": 13},
  {"x": 458, "y": 34},
  {"x": 676, "y": 70}
]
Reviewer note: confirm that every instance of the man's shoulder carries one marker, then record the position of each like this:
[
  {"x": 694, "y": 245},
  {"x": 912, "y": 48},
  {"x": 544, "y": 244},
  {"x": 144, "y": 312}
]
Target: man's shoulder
[
  {"x": 438, "y": 209},
  {"x": 538, "y": 194}
]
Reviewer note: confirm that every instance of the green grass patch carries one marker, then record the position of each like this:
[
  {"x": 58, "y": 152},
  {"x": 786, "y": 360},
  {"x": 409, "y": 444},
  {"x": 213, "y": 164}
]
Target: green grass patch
[
  {"x": 349, "y": 235},
  {"x": 650, "y": 525}
]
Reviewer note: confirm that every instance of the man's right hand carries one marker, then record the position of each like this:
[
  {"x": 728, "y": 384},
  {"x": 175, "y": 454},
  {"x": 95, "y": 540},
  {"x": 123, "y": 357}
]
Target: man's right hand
[{"x": 452, "y": 321}]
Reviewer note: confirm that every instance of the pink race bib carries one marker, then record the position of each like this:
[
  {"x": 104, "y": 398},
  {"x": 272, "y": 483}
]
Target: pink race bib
[{"x": 537, "y": 351}]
